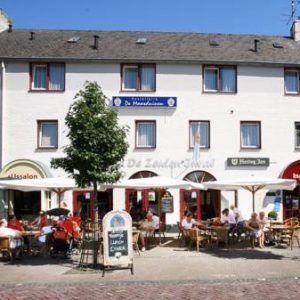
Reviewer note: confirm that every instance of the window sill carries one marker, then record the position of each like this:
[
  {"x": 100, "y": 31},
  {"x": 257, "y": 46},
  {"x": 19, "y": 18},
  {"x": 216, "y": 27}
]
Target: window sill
[
  {"x": 201, "y": 148},
  {"x": 250, "y": 148},
  {"x": 145, "y": 148},
  {"x": 46, "y": 148},
  {"x": 136, "y": 91},
  {"x": 219, "y": 93},
  {"x": 46, "y": 91},
  {"x": 292, "y": 94}
]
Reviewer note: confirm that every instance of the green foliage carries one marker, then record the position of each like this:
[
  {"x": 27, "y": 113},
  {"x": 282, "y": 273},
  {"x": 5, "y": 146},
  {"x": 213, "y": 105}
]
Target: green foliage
[
  {"x": 97, "y": 143},
  {"x": 272, "y": 215}
]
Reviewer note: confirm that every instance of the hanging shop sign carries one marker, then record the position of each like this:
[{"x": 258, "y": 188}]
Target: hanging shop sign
[
  {"x": 144, "y": 101},
  {"x": 167, "y": 204},
  {"x": 117, "y": 240},
  {"x": 248, "y": 161}
]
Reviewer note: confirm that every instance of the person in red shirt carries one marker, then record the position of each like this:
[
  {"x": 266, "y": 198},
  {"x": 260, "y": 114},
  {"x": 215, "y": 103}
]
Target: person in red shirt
[
  {"x": 68, "y": 225},
  {"x": 13, "y": 223},
  {"x": 76, "y": 218},
  {"x": 41, "y": 220}
]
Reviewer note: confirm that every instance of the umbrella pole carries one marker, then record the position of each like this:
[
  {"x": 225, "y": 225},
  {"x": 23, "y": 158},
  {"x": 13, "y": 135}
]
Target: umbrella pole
[
  {"x": 253, "y": 201},
  {"x": 160, "y": 215}
]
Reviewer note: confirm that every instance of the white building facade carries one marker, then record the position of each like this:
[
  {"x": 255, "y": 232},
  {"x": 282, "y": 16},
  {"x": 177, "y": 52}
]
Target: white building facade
[{"x": 239, "y": 107}]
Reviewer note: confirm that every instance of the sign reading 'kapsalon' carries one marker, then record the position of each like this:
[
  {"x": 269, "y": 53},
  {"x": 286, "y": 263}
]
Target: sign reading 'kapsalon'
[{"x": 248, "y": 161}]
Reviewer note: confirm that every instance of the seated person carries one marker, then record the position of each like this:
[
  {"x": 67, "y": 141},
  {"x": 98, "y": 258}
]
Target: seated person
[
  {"x": 13, "y": 223},
  {"x": 40, "y": 239},
  {"x": 146, "y": 226},
  {"x": 41, "y": 220},
  {"x": 263, "y": 221},
  {"x": 76, "y": 218},
  {"x": 255, "y": 227},
  {"x": 228, "y": 219},
  {"x": 239, "y": 220},
  {"x": 15, "y": 235},
  {"x": 188, "y": 223}
]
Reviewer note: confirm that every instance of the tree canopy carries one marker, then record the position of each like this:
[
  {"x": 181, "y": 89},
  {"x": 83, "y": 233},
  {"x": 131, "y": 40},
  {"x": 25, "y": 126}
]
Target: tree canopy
[{"x": 97, "y": 143}]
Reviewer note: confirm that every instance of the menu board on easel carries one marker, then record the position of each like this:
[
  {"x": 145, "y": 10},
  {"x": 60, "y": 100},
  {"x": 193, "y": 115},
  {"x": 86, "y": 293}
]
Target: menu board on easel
[{"x": 117, "y": 240}]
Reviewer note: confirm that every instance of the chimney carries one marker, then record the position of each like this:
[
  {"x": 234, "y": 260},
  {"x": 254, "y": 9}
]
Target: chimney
[
  {"x": 10, "y": 27},
  {"x": 96, "y": 41},
  {"x": 256, "y": 45},
  {"x": 295, "y": 30},
  {"x": 32, "y": 35}
]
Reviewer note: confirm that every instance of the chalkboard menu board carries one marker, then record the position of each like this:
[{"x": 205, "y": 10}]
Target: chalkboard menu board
[
  {"x": 167, "y": 204},
  {"x": 117, "y": 243}
]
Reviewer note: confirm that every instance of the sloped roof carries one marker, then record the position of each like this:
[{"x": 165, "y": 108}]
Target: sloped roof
[{"x": 160, "y": 46}]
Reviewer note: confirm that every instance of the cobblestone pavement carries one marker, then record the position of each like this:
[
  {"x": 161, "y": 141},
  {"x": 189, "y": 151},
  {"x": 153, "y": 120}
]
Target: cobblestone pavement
[
  {"x": 269, "y": 290},
  {"x": 167, "y": 272}
]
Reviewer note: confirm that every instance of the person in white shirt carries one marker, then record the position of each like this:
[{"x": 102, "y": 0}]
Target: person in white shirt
[
  {"x": 188, "y": 223},
  {"x": 15, "y": 235},
  {"x": 148, "y": 226},
  {"x": 228, "y": 218},
  {"x": 239, "y": 220}
]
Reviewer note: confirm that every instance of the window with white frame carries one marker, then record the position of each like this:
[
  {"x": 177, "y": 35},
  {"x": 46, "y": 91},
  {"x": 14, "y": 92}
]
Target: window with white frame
[
  {"x": 145, "y": 134},
  {"x": 47, "y": 134},
  {"x": 250, "y": 135},
  {"x": 291, "y": 81},
  {"x": 48, "y": 76},
  {"x": 138, "y": 77},
  {"x": 199, "y": 133},
  {"x": 297, "y": 134},
  {"x": 219, "y": 79}
]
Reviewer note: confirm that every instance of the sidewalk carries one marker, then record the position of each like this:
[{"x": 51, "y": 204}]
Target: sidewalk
[{"x": 168, "y": 264}]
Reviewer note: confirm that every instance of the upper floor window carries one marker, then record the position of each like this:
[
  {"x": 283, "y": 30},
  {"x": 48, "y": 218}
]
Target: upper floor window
[
  {"x": 291, "y": 81},
  {"x": 250, "y": 135},
  {"x": 48, "y": 76},
  {"x": 199, "y": 133},
  {"x": 219, "y": 79},
  {"x": 297, "y": 134},
  {"x": 145, "y": 134},
  {"x": 138, "y": 77},
  {"x": 47, "y": 134}
]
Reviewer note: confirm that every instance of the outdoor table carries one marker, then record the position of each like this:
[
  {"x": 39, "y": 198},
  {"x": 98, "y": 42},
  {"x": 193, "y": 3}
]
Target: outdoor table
[
  {"x": 28, "y": 236},
  {"x": 277, "y": 232}
]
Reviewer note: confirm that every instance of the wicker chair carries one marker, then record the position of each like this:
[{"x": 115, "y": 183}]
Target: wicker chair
[
  {"x": 196, "y": 237},
  {"x": 5, "y": 247},
  {"x": 135, "y": 241},
  {"x": 220, "y": 234}
]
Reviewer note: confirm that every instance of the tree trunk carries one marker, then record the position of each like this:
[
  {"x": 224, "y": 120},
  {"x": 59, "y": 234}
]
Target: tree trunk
[{"x": 96, "y": 227}]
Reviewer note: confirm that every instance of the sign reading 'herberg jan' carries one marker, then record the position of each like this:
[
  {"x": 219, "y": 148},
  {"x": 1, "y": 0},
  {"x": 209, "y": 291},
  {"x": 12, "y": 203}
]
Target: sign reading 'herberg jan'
[
  {"x": 144, "y": 101},
  {"x": 248, "y": 161}
]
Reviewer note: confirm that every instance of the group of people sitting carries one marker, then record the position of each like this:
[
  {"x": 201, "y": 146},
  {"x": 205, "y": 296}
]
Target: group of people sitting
[
  {"x": 43, "y": 227},
  {"x": 233, "y": 218}
]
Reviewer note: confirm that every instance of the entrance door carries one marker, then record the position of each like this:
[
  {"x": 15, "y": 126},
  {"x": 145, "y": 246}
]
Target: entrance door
[
  {"x": 291, "y": 204},
  {"x": 202, "y": 204},
  {"x": 27, "y": 205},
  {"x": 83, "y": 203}
]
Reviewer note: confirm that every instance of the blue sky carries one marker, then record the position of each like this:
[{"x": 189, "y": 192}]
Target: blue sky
[{"x": 215, "y": 16}]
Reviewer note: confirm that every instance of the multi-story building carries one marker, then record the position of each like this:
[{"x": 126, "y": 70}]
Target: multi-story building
[{"x": 236, "y": 97}]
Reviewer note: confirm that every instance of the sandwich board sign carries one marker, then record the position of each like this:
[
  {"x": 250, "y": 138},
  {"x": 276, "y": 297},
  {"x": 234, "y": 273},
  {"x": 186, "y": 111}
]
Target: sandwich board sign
[{"x": 117, "y": 241}]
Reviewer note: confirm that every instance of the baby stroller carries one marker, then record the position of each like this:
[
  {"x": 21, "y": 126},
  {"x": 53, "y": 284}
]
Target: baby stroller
[{"x": 61, "y": 243}]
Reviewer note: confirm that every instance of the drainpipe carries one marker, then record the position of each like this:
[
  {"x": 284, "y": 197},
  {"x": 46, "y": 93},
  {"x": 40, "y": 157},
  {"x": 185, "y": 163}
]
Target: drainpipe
[{"x": 2, "y": 84}]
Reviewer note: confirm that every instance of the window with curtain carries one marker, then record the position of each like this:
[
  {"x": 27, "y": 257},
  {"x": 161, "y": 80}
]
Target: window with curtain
[
  {"x": 48, "y": 77},
  {"x": 220, "y": 79},
  {"x": 140, "y": 77},
  {"x": 297, "y": 134},
  {"x": 48, "y": 134},
  {"x": 250, "y": 135},
  {"x": 291, "y": 79},
  {"x": 199, "y": 131},
  {"x": 146, "y": 134}
]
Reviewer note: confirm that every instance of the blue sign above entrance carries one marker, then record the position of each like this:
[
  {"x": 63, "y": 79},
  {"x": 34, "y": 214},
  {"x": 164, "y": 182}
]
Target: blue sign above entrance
[{"x": 144, "y": 101}]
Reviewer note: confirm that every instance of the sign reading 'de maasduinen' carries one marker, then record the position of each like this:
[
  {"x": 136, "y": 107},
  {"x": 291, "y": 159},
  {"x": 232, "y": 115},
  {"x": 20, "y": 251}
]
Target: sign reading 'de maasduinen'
[
  {"x": 117, "y": 239},
  {"x": 248, "y": 161},
  {"x": 144, "y": 101}
]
